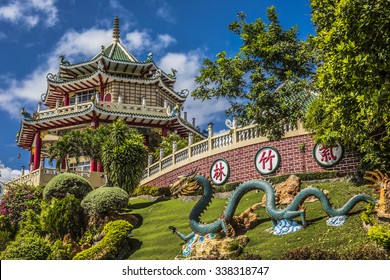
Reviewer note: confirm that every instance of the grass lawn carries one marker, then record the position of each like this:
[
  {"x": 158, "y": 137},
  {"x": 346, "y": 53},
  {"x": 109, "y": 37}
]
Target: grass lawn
[{"x": 155, "y": 242}]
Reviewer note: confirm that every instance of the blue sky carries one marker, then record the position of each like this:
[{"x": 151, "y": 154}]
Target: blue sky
[{"x": 33, "y": 33}]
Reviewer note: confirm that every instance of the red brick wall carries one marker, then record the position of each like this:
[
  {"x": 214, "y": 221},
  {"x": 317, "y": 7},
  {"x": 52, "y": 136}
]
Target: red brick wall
[{"x": 242, "y": 168}]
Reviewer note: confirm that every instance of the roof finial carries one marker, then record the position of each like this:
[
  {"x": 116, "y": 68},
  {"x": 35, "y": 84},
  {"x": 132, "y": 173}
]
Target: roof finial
[{"x": 115, "y": 32}]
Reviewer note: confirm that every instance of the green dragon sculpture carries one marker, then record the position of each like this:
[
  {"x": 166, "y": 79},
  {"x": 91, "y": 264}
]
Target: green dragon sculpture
[{"x": 189, "y": 183}]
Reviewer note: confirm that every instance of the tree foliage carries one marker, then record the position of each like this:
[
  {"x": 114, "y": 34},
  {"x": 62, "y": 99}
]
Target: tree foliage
[
  {"x": 252, "y": 80},
  {"x": 124, "y": 156},
  {"x": 353, "y": 79}
]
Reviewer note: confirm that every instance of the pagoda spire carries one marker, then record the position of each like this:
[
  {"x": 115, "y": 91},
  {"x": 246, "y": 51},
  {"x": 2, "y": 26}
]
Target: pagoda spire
[{"x": 115, "y": 31}]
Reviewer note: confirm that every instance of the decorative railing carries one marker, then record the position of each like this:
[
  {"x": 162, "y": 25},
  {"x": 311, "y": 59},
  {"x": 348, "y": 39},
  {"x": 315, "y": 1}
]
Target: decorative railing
[
  {"x": 110, "y": 106},
  {"x": 151, "y": 110},
  {"x": 42, "y": 176},
  {"x": 232, "y": 139}
]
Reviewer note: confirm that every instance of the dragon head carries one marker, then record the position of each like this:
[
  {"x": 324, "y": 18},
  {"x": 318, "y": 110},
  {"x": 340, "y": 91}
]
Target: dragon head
[{"x": 185, "y": 185}]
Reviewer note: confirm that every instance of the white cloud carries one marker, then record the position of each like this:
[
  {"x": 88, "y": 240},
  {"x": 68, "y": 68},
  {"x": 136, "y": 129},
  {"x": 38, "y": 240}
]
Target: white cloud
[
  {"x": 142, "y": 40},
  {"x": 7, "y": 174},
  {"x": 165, "y": 12},
  {"x": 77, "y": 47},
  {"x": 30, "y": 12},
  {"x": 188, "y": 66}
]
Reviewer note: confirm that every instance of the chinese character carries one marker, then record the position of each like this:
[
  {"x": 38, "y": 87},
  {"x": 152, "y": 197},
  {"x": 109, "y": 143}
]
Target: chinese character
[
  {"x": 266, "y": 158},
  {"x": 327, "y": 154},
  {"x": 218, "y": 172}
]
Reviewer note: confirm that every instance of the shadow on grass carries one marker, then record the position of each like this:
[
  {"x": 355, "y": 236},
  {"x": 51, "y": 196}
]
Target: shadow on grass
[
  {"x": 135, "y": 245},
  {"x": 142, "y": 205},
  {"x": 140, "y": 220}
]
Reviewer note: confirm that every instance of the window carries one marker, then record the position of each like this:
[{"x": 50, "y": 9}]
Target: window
[{"x": 83, "y": 96}]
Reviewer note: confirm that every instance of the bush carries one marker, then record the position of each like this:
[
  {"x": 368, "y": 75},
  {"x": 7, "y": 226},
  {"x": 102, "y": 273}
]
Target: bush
[
  {"x": 17, "y": 199},
  {"x": 381, "y": 235},
  {"x": 105, "y": 200},
  {"x": 31, "y": 247},
  {"x": 115, "y": 244},
  {"x": 5, "y": 237},
  {"x": 367, "y": 253},
  {"x": 307, "y": 253},
  {"x": 30, "y": 224},
  {"x": 227, "y": 188},
  {"x": 64, "y": 216},
  {"x": 61, "y": 251},
  {"x": 67, "y": 183}
]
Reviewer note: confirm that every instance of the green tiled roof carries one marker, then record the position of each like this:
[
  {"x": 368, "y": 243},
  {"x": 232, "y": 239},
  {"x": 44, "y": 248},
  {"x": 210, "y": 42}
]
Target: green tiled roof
[{"x": 117, "y": 52}]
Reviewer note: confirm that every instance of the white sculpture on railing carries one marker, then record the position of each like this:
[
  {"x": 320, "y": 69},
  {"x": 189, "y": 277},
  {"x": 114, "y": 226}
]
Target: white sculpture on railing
[{"x": 231, "y": 124}]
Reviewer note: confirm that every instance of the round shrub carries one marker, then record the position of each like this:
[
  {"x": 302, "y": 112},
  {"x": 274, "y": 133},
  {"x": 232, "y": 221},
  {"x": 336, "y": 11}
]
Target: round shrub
[
  {"x": 105, "y": 200},
  {"x": 67, "y": 183},
  {"x": 115, "y": 244},
  {"x": 30, "y": 247},
  {"x": 64, "y": 216}
]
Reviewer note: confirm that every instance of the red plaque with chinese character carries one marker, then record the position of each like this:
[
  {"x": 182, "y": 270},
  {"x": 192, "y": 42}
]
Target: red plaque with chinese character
[
  {"x": 328, "y": 155},
  {"x": 219, "y": 171},
  {"x": 267, "y": 160}
]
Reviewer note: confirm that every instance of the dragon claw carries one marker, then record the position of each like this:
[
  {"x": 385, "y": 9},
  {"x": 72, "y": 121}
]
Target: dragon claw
[{"x": 172, "y": 228}]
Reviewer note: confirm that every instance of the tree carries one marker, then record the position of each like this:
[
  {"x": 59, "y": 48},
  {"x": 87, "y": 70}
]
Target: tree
[
  {"x": 123, "y": 155},
  {"x": 68, "y": 146},
  {"x": 253, "y": 79},
  {"x": 353, "y": 80}
]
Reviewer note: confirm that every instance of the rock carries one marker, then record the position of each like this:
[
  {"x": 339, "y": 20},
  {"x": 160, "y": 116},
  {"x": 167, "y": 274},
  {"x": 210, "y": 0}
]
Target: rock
[
  {"x": 68, "y": 240},
  {"x": 245, "y": 221},
  {"x": 286, "y": 191},
  {"x": 313, "y": 198},
  {"x": 203, "y": 247}
]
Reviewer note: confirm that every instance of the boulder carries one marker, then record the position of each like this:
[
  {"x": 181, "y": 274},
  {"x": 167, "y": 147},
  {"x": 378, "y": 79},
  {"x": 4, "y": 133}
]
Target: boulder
[
  {"x": 286, "y": 191},
  {"x": 212, "y": 248},
  {"x": 245, "y": 221}
]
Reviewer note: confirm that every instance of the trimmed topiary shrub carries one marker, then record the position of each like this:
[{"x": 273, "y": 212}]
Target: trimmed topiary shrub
[
  {"x": 67, "y": 183},
  {"x": 115, "y": 244},
  {"x": 30, "y": 247},
  {"x": 105, "y": 200},
  {"x": 64, "y": 216}
]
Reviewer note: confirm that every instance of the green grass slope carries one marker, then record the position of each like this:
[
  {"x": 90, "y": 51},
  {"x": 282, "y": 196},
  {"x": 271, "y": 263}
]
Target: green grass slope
[{"x": 153, "y": 240}]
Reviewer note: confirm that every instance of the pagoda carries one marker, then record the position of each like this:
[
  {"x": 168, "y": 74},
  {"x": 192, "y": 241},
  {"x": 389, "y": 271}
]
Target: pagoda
[{"x": 112, "y": 85}]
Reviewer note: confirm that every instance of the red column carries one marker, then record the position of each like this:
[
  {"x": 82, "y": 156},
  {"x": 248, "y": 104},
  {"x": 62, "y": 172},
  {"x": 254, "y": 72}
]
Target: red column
[
  {"x": 100, "y": 167},
  {"x": 165, "y": 131},
  {"x": 95, "y": 125},
  {"x": 63, "y": 164},
  {"x": 31, "y": 160},
  {"x": 92, "y": 168},
  {"x": 37, "y": 153},
  {"x": 66, "y": 100}
]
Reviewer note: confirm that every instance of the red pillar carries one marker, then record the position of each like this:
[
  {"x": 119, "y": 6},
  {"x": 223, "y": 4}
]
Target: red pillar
[
  {"x": 31, "y": 159},
  {"x": 92, "y": 167},
  {"x": 100, "y": 167},
  {"x": 66, "y": 100},
  {"x": 165, "y": 131},
  {"x": 63, "y": 164},
  {"x": 37, "y": 153},
  {"x": 93, "y": 162}
]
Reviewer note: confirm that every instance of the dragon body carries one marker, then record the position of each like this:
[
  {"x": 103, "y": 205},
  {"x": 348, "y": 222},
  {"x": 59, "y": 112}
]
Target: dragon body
[{"x": 293, "y": 210}]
